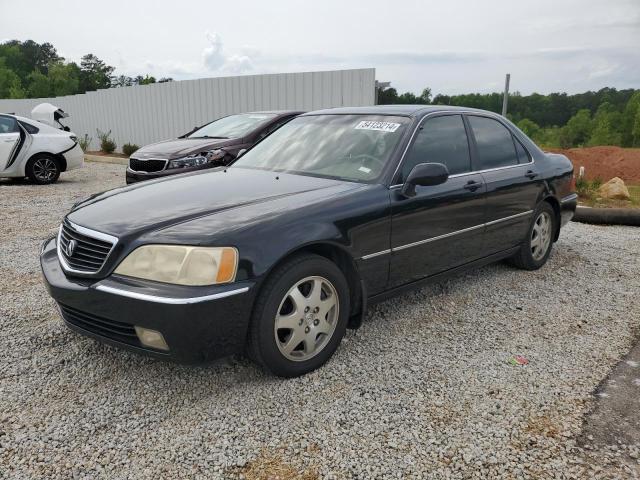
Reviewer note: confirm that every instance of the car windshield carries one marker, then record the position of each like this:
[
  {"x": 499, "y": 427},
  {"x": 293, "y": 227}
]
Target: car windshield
[
  {"x": 347, "y": 147},
  {"x": 233, "y": 126}
]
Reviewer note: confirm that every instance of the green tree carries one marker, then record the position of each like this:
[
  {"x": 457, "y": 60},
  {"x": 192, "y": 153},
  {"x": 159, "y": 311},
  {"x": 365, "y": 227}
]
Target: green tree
[
  {"x": 122, "y": 81},
  {"x": 635, "y": 130},
  {"x": 387, "y": 96},
  {"x": 146, "y": 80},
  {"x": 94, "y": 73},
  {"x": 39, "y": 86},
  {"x": 16, "y": 90},
  {"x": 25, "y": 57},
  {"x": 531, "y": 129},
  {"x": 630, "y": 116},
  {"x": 604, "y": 129},
  {"x": 426, "y": 96},
  {"x": 578, "y": 129},
  {"x": 8, "y": 80},
  {"x": 64, "y": 79}
]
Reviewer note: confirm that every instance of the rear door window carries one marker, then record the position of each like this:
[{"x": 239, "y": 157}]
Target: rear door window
[
  {"x": 8, "y": 124},
  {"x": 440, "y": 140},
  {"x": 495, "y": 145}
]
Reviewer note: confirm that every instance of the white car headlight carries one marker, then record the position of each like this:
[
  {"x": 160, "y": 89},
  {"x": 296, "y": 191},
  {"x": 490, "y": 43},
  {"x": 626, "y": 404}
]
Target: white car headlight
[{"x": 181, "y": 265}]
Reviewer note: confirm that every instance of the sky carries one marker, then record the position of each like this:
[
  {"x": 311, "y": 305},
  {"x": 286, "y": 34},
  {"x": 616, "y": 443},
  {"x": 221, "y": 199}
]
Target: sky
[{"x": 451, "y": 46}]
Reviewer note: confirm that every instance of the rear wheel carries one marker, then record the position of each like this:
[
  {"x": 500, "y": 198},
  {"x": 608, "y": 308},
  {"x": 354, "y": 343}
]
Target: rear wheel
[
  {"x": 300, "y": 316},
  {"x": 43, "y": 169},
  {"x": 536, "y": 249}
]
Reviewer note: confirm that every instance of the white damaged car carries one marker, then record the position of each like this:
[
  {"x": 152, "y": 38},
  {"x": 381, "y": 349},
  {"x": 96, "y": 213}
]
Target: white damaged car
[{"x": 39, "y": 148}]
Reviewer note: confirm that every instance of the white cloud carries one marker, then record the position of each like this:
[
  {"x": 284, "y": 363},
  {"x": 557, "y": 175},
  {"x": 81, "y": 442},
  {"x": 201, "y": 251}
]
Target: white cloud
[
  {"x": 212, "y": 55},
  {"x": 216, "y": 60},
  {"x": 238, "y": 64}
]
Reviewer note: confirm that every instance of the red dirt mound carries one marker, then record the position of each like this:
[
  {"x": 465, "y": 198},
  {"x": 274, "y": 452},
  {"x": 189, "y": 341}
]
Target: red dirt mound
[{"x": 605, "y": 162}]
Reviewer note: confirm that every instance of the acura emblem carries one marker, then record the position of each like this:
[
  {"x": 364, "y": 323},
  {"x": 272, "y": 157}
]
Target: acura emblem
[{"x": 71, "y": 248}]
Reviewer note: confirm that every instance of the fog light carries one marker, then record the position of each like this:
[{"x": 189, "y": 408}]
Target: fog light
[{"x": 151, "y": 338}]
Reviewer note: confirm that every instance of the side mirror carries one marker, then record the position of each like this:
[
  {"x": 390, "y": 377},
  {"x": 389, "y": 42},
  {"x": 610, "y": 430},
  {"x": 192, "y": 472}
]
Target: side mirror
[
  {"x": 241, "y": 152},
  {"x": 424, "y": 174}
]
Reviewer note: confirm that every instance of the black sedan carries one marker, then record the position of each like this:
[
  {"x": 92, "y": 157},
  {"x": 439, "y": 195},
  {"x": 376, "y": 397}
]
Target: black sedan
[
  {"x": 212, "y": 145},
  {"x": 283, "y": 250}
]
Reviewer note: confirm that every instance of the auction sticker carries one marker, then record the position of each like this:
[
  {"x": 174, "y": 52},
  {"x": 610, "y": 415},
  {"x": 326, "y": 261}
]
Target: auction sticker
[{"x": 379, "y": 126}]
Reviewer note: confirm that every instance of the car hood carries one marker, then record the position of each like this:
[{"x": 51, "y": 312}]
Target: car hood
[
  {"x": 158, "y": 204},
  {"x": 182, "y": 146}
]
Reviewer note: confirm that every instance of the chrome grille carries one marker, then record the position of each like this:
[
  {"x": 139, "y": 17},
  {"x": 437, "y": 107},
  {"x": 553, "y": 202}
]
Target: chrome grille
[
  {"x": 147, "y": 165},
  {"x": 87, "y": 253}
]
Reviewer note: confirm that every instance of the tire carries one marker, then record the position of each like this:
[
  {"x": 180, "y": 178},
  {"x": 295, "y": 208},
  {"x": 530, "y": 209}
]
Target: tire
[
  {"x": 43, "y": 169},
  {"x": 301, "y": 339},
  {"x": 536, "y": 248}
]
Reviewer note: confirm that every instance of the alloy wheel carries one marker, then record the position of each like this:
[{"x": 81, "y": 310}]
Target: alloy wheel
[
  {"x": 45, "y": 169},
  {"x": 541, "y": 236},
  {"x": 306, "y": 318}
]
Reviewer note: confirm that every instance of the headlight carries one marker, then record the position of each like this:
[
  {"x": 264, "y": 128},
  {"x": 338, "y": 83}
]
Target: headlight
[
  {"x": 181, "y": 265},
  {"x": 197, "y": 159}
]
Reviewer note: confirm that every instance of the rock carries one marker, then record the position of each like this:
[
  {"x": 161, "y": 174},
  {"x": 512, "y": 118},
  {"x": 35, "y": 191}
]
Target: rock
[{"x": 614, "y": 189}]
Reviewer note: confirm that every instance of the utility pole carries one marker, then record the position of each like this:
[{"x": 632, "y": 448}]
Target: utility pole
[{"x": 505, "y": 99}]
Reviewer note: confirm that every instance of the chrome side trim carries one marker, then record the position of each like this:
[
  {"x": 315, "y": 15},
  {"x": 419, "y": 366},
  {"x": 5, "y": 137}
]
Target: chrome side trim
[
  {"x": 446, "y": 235},
  {"x": 377, "y": 254},
  {"x": 439, "y": 237},
  {"x": 493, "y": 222},
  {"x": 569, "y": 198},
  {"x": 169, "y": 300},
  {"x": 476, "y": 172},
  {"x": 89, "y": 233}
]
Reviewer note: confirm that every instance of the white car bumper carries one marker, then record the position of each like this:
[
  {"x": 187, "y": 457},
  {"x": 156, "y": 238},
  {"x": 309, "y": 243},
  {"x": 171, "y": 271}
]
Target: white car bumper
[{"x": 74, "y": 157}]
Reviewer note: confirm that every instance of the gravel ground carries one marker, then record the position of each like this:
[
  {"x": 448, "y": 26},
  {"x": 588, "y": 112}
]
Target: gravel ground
[{"x": 423, "y": 389}]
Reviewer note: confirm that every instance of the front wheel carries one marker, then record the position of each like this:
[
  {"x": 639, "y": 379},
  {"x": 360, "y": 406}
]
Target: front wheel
[
  {"x": 536, "y": 249},
  {"x": 43, "y": 169},
  {"x": 300, "y": 316}
]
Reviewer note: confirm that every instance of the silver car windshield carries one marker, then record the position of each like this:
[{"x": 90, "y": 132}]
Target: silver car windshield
[
  {"x": 347, "y": 147},
  {"x": 233, "y": 126}
]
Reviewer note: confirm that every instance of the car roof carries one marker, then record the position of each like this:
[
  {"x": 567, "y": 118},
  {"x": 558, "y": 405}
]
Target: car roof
[
  {"x": 30, "y": 121},
  {"x": 404, "y": 110},
  {"x": 275, "y": 112}
]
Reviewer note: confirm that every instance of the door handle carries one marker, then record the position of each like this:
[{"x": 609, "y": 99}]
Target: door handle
[
  {"x": 472, "y": 185},
  {"x": 531, "y": 174},
  {"x": 10, "y": 140}
]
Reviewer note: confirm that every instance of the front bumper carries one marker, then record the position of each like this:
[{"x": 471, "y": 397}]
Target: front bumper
[{"x": 197, "y": 323}]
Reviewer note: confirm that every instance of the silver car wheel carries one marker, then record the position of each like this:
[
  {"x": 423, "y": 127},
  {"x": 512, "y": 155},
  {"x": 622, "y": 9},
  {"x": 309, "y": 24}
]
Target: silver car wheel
[
  {"x": 45, "y": 169},
  {"x": 307, "y": 318},
  {"x": 541, "y": 236}
]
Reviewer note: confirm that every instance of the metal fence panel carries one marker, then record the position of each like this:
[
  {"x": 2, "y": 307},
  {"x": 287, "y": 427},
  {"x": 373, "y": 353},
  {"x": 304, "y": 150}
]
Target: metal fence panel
[{"x": 149, "y": 113}]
